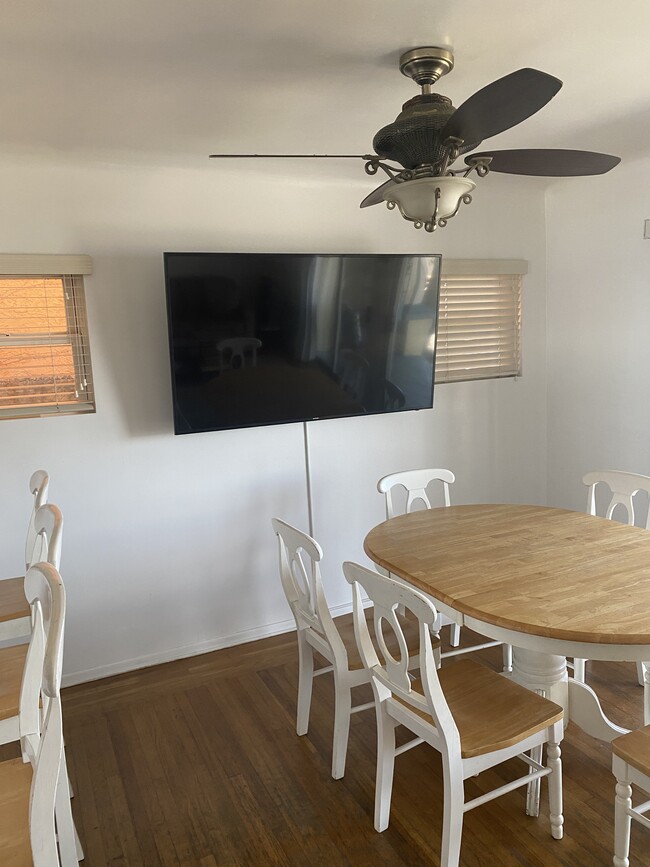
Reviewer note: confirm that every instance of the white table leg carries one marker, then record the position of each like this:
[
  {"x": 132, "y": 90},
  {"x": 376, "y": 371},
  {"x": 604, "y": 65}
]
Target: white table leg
[
  {"x": 586, "y": 712},
  {"x": 546, "y": 675},
  {"x": 542, "y": 673}
]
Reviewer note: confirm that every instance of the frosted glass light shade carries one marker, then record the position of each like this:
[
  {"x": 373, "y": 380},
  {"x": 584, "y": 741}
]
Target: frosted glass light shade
[{"x": 417, "y": 198}]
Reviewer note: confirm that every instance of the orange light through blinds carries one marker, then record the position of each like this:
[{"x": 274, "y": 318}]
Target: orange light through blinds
[
  {"x": 479, "y": 327},
  {"x": 44, "y": 356}
]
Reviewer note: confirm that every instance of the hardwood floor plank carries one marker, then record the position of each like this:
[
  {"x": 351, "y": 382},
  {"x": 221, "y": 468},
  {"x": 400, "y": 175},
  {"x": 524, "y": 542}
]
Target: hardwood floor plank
[
  {"x": 197, "y": 763},
  {"x": 289, "y": 807}
]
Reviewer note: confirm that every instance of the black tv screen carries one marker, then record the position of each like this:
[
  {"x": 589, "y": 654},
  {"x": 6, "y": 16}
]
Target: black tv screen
[{"x": 268, "y": 338}]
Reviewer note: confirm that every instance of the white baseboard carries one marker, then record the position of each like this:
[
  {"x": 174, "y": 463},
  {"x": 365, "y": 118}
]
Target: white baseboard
[{"x": 84, "y": 676}]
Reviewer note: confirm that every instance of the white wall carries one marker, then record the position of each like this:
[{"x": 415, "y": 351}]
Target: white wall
[
  {"x": 167, "y": 545},
  {"x": 598, "y": 315}
]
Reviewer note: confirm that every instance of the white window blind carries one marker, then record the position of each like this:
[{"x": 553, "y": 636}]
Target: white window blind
[
  {"x": 45, "y": 364},
  {"x": 479, "y": 320}
]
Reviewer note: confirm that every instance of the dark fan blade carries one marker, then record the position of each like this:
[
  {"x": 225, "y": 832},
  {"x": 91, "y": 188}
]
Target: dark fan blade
[
  {"x": 552, "y": 163},
  {"x": 501, "y": 105},
  {"x": 376, "y": 197},
  {"x": 293, "y": 157}
]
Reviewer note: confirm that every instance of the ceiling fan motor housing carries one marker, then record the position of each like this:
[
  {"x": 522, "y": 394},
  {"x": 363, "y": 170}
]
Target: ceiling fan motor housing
[{"x": 413, "y": 139}]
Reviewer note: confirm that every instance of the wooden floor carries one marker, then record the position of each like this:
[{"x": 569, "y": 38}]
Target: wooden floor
[{"x": 197, "y": 763}]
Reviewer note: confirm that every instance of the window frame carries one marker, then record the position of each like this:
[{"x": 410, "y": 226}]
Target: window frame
[{"x": 70, "y": 270}]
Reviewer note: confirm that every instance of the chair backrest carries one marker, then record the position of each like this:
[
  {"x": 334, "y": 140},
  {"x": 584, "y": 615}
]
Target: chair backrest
[
  {"x": 39, "y": 679},
  {"x": 42, "y": 685},
  {"x": 300, "y": 557},
  {"x": 48, "y": 528},
  {"x": 38, "y": 488},
  {"x": 415, "y": 482},
  {"x": 623, "y": 487},
  {"x": 391, "y": 674}
]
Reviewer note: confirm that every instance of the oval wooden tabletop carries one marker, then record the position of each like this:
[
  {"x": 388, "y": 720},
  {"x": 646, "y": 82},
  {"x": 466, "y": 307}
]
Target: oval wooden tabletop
[{"x": 539, "y": 570}]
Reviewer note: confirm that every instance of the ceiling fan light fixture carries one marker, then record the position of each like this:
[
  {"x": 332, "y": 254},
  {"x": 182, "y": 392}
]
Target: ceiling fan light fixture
[
  {"x": 420, "y": 147},
  {"x": 429, "y": 202}
]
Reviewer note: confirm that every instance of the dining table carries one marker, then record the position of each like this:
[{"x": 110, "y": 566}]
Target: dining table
[{"x": 553, "y": 583}]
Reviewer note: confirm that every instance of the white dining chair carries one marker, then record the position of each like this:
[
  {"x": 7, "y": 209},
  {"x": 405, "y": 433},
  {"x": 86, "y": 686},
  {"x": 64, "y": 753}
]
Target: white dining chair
[
  {"x": 236, "y": 353},
  {"x": 14, "y": 610},
  {"x": 630, "y": 766},
  {"x": 47, "y": 527},
  {"x": 622, "y": 489},
  {"x": 317, "y": 632},
  {"x": 394, "y": 397},
  {"x": 406, "y": 491},
  {"x": 473, "y": 717},
  {"x": 36, "y": 825}
]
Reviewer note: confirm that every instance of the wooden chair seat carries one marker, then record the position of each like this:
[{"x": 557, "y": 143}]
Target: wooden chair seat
[
  {"x": 410, "y": 627},
  {"x": 15, "y": 784},
  {"x": 634, "y": 749},
  {"x": 490, "y": 711},
  {"x": 13, "y": 604},
  {"x": 12, "y": 664}
]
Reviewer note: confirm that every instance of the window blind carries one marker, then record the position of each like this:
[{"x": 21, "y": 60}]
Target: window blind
[
  {"x": 479, "y": 324},
  {"x": 45, "y": 364}
]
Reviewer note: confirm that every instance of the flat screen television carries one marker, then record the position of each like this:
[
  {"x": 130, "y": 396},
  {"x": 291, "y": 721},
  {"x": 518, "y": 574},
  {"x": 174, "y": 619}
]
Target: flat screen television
[{"x": 269, "y": 338}]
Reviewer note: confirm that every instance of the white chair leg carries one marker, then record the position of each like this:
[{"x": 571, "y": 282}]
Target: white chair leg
[
  {"x": 507, "y": 659},
  {"x": 305, "y": 682},
  {"x": 622, "y": 822},
  {"x": 579, "y": 670},
  {"x": 646, "y": 694},
  {"x": 78, "y": 846},
  {"x": 385, "y": 767},
  {"x": 533, "y": 788},
  {"x": 342, "y": 709},
  {"x": 554, "y": 762},
  {"x": 455, "y": 635},
  {"x": 640, "y": 673},
  {"x": 452, "y": 816},
  {"x": 65, "y": 829}
]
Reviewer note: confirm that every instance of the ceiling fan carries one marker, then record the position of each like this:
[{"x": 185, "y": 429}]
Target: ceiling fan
[{"x": 429, "y": 135}]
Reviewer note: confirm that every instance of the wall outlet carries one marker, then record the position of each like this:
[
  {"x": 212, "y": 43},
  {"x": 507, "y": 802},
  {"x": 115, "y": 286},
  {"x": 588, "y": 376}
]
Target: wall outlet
[{"x": 646, "y": 229}]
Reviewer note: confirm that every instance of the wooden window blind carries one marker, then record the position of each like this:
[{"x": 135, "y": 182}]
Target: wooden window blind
[
  {"x": 45, "y": 364},
  {"x": 479, "y": 322}
]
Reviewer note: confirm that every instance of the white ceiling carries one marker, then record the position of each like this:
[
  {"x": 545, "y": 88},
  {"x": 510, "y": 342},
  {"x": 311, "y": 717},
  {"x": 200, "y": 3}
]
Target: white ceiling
[{"x": 170, "y": 81}]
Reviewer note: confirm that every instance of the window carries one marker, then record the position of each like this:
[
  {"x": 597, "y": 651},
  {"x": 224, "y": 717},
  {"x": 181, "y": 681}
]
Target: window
[
  {"x": 479, "y": 320},
  {"x": 44, "y": 354}
]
